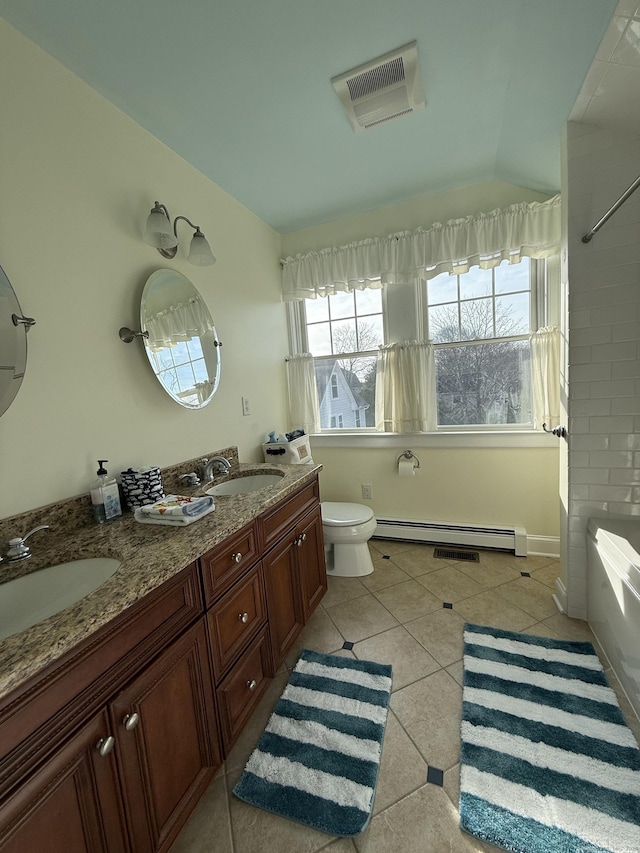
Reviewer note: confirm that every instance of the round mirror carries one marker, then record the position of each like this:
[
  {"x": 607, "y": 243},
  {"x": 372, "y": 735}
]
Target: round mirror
[
  {"x": 182, "y": 344},
  {"x": 13, "y": 344}
]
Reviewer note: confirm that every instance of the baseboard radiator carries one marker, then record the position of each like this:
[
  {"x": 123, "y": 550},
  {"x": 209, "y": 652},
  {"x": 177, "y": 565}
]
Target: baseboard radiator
[{"x": 497, "y": 538}]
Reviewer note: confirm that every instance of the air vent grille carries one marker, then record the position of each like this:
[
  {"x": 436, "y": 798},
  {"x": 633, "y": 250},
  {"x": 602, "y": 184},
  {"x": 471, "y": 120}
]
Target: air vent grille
[
  {"x": 451, "y": 554},
  {"x": 377, "y": 78},
  {"x": 383, "y": 89}
]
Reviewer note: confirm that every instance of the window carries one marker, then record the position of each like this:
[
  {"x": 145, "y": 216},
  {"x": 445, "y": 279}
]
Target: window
[
  {"x": 343, "y": 333},
  {"x": 478, "y": 322}
]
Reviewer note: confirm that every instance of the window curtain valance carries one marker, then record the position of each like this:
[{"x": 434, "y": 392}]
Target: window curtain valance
[
  {"x": 180, "y": 322},
  {"x": 484, "y": 240}
]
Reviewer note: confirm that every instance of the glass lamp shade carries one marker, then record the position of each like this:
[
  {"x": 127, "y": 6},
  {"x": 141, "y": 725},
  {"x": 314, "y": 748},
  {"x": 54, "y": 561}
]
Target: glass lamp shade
[
  {"x": 200, "y": 254},
  {"x": 158, "y": 231}
]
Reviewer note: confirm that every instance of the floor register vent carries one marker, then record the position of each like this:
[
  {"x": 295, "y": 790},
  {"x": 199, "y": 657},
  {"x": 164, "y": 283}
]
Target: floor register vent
[{"x": 450, "y": 554}]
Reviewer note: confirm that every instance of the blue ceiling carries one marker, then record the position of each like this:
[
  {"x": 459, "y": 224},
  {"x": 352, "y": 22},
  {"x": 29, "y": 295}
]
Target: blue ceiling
[{"x": 241, "y": 89}]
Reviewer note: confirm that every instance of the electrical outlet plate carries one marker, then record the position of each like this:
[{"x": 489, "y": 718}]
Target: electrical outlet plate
[
  {"x": 245, "y": 406},
  {"x": 367, "y": 491}
]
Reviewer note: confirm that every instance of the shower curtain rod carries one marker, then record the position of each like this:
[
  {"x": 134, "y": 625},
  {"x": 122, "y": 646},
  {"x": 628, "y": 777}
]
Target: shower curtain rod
[{"x": 625, "y": 195}]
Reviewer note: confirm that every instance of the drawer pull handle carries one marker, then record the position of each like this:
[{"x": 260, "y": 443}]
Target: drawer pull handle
[
  {"x": 105, "y": 745},
  {"x": 299, "y": 541},
  {"x": 131, "y": 721},
  {"x": 236, "y": 557},
  {"x": 252, "y": 684},
  {"x": 243, "y": 617},
  {"x": 303, "y": 537}
]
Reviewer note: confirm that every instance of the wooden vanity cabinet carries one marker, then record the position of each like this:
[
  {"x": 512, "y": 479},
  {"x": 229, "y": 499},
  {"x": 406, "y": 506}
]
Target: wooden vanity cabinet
[
  {"x": 294, "y": 567},
  {"x": 72, "y": 803}
]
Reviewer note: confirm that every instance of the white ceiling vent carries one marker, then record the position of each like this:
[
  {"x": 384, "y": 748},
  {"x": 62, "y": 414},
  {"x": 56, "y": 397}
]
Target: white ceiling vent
[{"x": 383, "y": 89}]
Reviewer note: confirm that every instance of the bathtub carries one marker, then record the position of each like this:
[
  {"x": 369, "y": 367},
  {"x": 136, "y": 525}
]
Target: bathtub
[{"x": 613, "y": 596}]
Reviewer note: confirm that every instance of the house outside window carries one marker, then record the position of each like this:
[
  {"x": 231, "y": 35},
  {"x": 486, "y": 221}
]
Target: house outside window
[{"x": 479, "y": 323}]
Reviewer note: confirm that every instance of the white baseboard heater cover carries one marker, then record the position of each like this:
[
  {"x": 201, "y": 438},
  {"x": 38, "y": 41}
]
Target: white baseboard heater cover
[{"x": 497, "y": 538}]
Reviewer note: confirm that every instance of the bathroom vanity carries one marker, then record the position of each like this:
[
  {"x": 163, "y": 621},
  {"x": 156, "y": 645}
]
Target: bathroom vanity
[{"x": 118, "y": 713}]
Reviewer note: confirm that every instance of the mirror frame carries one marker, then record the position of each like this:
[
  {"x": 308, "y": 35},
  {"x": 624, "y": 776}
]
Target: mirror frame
[
  {"x": 181, "y": 291},
  {"x": 17, "y": 348}
]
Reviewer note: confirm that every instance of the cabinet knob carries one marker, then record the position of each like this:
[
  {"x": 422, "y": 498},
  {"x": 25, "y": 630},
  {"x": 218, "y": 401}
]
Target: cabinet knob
[
  {"x": 299, "y": 541},
  {"x": 251, "y": 685},
  {"x": 105, "y": 745},
  {"x": 303, "y": 537},
  {"x": 236, "y": 557},
  {"x": 243, "y": 617},
  {"x": 130, "y": 721}
]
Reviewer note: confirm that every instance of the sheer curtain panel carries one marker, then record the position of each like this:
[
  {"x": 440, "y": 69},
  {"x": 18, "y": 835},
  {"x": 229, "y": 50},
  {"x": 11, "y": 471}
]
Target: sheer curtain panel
[
  {"x": 545, "y": 376},
  {"x": 304, "y": 411},
  {"x": 405, "y": 388}
]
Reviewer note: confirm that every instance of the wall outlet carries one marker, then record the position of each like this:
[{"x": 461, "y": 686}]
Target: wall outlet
[
  {"x": 246, "y": 410},
  {"x": 367, "y": 491}
]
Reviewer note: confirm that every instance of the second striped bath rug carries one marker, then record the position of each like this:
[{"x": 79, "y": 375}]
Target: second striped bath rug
[{"x": 317, "y": 760}]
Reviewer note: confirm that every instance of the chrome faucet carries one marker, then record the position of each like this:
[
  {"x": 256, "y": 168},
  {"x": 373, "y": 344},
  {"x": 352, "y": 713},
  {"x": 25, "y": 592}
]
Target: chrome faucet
[
  {"x": 217, "y": 464},
  {"x": 17, "y": 549}
]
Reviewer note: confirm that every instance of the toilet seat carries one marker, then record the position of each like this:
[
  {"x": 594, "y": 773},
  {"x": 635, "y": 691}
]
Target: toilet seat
[{"x": 337, "y": 514}]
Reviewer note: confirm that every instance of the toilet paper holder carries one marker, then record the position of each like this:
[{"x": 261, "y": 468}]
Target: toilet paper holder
[{"x": 409, "y": 454}]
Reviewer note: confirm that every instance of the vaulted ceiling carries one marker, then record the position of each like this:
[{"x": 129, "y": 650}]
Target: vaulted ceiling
[{"x": 242, "y": 90}]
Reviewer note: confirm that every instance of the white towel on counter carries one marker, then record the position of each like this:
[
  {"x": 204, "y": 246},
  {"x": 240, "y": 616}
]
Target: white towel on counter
[{"x": 176, "y": 510}]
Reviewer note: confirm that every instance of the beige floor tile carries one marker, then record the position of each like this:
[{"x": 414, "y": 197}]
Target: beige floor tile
[
  {"x": 408, "y": 600},
  {"x": 418, "y": 560},
  {"x": 319, "y": 634},
  {"x": 570, "y": 629},
  {"x": 452, "y": 784},
  {"x": 424, "y": 822},
  {"x": 209, "y": 826},
  {"x": 488, "y": 573},
  {"x": 385, "y": 573},
  {"x": 450, "y": 584},
  {"x": 342, "y": 589},
  {"x": 536, "y": 562},
  {"x": 402, "y": 768},
  {"x": 342, "y": 845},
  {"x": 489, "y": 608},
  {"x": 541, "y": 629},
  {"x": 440, "y": 633},
  {"x": 409, "y": 659},
  {"x": 389, "y": 546},
  {"x": 529, "y": 595},
  {"x": 429, "y": 710},
  {"x": 547, "y": 574},
  {"x": 258, "y": 831},
  {"x": 361, "y": 617},
  {"x": 456, "y": 670}
]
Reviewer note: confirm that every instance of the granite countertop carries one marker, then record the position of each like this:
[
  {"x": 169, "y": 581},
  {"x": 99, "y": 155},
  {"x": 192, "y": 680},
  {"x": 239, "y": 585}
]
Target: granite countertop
[{"x": 150, "y": 555}]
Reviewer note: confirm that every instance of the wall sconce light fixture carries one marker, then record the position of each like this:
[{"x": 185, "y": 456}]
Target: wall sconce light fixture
[{"x": 159, "y": 234}]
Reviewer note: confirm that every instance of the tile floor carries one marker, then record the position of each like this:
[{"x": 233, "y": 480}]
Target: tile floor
[{"x": 409, "y": 613}]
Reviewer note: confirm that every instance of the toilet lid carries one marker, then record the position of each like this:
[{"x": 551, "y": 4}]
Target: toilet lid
[{"x": 337, "y": 514}]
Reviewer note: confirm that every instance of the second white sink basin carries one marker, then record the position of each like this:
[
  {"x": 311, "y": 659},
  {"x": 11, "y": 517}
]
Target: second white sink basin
[
  {"x": 245, "y": 485},
  {"x": 28, "y": 600}
]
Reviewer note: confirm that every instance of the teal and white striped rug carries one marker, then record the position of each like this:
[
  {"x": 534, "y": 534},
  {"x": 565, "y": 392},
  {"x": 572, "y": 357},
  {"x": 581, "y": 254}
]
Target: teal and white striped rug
[
  {"x": 548, "y": 764},
  {"x": 317, "y": 760}
]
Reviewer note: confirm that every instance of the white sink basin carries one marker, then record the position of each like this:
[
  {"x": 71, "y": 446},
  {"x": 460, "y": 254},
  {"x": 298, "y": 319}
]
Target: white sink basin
[
  {"x": 245, "y": 485},
  {"x": 33, "y": 597}
]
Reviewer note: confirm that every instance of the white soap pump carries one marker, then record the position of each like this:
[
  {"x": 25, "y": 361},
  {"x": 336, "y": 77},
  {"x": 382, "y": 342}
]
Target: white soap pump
[{"x": 105, "y": 495}]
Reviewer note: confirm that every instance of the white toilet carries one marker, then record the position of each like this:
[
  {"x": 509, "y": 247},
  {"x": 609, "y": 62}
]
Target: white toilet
[{"x": 347, "y": 528}]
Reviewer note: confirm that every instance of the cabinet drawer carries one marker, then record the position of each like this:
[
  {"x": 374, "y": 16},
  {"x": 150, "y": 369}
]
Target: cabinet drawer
[
  {"x": 273, "y": 523},
  {"x": 236, "y": 619},
  {"x": 224, "y": 564},
  {"x": 241, "y": 690}
]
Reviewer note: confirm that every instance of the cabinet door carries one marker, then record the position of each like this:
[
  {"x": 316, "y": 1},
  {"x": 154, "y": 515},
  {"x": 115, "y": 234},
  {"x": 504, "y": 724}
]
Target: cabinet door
[
  {"x": 167, "y": 739},
  {"x": 311, "y": 562},
  {"x": 72, "y": 803},
  {"x": 284, "y": 602}
]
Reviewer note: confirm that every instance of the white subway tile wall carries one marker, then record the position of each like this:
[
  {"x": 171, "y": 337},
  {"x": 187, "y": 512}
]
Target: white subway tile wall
[{"x": 604, "y": 340}]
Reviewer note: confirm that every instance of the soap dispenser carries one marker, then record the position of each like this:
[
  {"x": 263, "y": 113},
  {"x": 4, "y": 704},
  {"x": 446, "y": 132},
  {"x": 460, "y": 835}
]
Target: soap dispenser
[{"x": 105, "y": 495}]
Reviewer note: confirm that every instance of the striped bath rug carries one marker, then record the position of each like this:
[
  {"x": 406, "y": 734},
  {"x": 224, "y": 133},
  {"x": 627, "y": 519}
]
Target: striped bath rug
[
  {"x": 317, "y": 760},
  {"x": 548, "y": 764}
]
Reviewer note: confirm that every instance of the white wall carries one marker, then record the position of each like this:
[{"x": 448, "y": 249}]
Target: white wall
[
  {"x": 78, "y": 179},
  {"x": 604, "y": 340}
]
